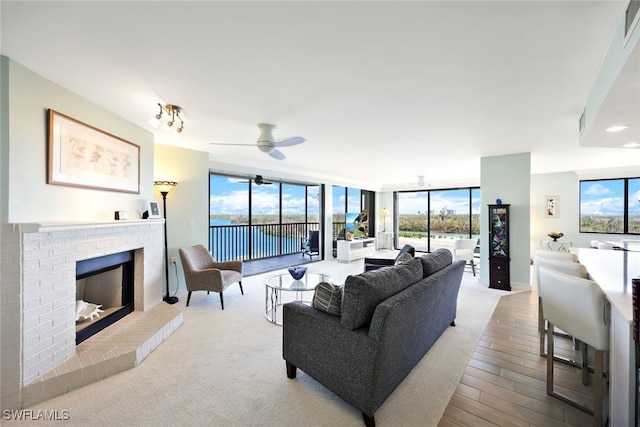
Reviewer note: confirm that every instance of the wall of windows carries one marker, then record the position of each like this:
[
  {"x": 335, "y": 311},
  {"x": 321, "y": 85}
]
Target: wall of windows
[
  {"x": 251, "y": 221},
  {"x": 422, "y": 216},
  {"x": 610, "y": 206}
]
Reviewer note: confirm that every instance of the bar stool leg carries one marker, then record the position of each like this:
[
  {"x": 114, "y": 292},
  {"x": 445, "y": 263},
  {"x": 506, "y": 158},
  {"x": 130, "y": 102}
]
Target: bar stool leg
[
  {"x": 598, "y": 387},
  {"x": 598, "y": 381},
  {"x": 550, "y": 358}
]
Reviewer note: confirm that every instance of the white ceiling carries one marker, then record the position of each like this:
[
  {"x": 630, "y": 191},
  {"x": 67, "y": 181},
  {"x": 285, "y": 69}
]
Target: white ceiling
[{"x": 382, "y": 91}]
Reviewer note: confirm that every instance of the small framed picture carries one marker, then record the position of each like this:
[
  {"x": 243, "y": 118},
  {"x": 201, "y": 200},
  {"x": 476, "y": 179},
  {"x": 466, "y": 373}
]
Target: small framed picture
[
  {"x": 551, "y": 207},
  {"x": 153, "y": 209}
]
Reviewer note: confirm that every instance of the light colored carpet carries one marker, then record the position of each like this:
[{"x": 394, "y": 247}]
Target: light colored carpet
[{"x": 225, "y": 368}]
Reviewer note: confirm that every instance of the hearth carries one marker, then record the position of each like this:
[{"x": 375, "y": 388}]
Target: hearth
[{"x": 108, "y": 282}]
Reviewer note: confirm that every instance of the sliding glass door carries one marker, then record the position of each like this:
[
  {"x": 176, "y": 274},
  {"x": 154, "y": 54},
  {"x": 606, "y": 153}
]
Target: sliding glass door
[
  {"x": 248, "y": 220},
  {"x": 425, "y": 218}
]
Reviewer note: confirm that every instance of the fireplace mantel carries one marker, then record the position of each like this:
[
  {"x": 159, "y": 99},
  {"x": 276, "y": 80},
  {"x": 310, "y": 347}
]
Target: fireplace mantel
[{"x": 46, "y": 227}]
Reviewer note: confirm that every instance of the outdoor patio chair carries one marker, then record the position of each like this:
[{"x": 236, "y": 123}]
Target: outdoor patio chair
[{"x": 311, "y": 245}]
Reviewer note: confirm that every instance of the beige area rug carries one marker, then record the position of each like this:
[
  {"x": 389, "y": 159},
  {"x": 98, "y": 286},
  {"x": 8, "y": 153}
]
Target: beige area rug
[{"x": 225, "y": 368}]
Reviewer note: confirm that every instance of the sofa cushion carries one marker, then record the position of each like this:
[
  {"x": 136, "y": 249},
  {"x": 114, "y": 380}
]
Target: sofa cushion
[
  {"x": 363, "y": 292},
  {"x": 436, "y": 261},
  {"x": 328, "y": 298}
]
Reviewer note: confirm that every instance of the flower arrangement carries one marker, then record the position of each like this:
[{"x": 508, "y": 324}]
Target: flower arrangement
[{"x": 555, "y": 235}]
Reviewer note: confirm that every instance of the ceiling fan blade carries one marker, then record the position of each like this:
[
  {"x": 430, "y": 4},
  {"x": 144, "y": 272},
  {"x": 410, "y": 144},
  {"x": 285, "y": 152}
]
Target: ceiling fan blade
[
  {"x": 238, "y": 181},
  {"x": 277, "y": 154},
  {"x": 287, "y": 142},
  {"x": 232, "y": 143}
]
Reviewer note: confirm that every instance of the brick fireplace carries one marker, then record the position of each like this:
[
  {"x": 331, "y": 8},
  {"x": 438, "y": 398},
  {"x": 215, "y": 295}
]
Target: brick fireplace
[{"x": 39, "y": 352}]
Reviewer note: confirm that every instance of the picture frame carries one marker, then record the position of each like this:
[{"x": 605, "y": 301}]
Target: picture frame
[
  {"x": 552, "y": 207},
  {"x": 80, "y": 155},
  {"x": 153, "y": 209}
]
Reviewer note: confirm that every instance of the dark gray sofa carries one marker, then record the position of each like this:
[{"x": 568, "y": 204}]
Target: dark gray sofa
[{"x": 390, "y": 318}]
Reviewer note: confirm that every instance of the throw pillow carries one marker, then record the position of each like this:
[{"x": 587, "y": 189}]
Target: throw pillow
[
  {"x": 328, "y": 298},
  {"x": 403, "y": 258}
]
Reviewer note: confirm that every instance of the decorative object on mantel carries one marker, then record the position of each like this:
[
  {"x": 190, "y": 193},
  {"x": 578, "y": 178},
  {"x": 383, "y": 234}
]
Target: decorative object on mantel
[
  {"x": 153, "y": 211},
  {"x": 164, "y": 187},
  {"x": 173, "y": 113},
  {"x": 80, "y": 155},
  {"x": 120, "y": 215},
  {"x": 555, "y": 235},
  {"x": 297, "y": 272}
]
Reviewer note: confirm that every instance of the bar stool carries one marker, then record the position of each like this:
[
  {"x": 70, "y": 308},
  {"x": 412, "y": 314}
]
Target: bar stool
[
  {"x": 550, "y": 256},
  {"x": 606, "y": 246},
  {"x": 558, "y": 256},
  {"x": 572, "y": 268},
  {"x": 579, "y": 307}
]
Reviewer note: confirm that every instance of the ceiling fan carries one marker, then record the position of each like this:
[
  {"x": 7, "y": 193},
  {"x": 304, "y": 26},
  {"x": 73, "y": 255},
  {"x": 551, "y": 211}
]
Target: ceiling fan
[
  {"x": 258, "y": 180},
  {"x": 267, "y": 144}
]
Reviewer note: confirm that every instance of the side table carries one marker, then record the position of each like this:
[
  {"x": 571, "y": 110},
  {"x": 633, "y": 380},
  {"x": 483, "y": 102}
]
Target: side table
[
  {"x": 556, "y": 245},
  {"x": 384, "y": 240},
  {"x": 274, "y": 286}
]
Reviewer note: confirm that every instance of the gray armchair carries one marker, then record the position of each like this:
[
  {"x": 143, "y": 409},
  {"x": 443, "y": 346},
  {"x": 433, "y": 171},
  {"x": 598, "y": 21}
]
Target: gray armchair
[{"x": 203, "y": 273}]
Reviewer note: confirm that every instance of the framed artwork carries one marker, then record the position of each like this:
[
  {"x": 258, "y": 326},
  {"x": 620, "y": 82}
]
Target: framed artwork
[
  {"x": 80, "y": 155},
  {"x": 551, "y": 207},
  {"x": 153, "y": 209}
]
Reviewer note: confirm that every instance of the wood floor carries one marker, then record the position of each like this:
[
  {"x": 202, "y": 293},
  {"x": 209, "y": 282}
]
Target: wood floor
[{"x": 505, "y": 381}]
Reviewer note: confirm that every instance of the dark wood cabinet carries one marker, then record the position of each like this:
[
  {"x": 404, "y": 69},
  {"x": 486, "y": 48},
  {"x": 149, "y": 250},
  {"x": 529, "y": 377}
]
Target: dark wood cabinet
[{"x": 499, "y": 277}]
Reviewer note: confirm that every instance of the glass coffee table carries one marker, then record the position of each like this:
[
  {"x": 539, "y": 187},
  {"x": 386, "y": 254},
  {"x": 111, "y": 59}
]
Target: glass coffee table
[{"x": 274, "y": 286}]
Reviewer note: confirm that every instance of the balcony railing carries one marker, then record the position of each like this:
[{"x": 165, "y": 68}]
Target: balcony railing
[{"x": 257, "y": 241}]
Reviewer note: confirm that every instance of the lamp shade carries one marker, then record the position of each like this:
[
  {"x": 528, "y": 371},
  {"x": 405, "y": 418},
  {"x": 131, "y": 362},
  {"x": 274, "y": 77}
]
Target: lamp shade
[
  {"x": 164, "y": 186},
  {"x": 384, "y": 212}
]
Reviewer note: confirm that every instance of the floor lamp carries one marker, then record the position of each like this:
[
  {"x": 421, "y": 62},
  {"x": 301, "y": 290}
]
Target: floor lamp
[
  {"x": 384, "y": 212},
  {"x": 164, "y": 187}
]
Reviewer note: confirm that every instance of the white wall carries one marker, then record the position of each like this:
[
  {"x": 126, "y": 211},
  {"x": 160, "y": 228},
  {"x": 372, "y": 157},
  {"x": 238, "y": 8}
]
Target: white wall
[
  {"x": 187, "y": 203},
  {"x": 28, "y": 196},
  {"x": 508, "y": 178},
  {"x": 567, "y": 187}
]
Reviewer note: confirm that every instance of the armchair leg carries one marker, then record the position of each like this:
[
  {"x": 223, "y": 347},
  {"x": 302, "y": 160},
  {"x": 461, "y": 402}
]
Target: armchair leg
[
  {"x": 473, "y": 268},
  {"x": 369, "y": 421},
  {"x": 188, "y": 298},
  {"x": 241, "y": 290},
  {"x": 221, "y": 301}
]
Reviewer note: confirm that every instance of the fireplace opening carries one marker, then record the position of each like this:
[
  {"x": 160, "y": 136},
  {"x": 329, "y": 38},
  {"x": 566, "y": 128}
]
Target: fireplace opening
[{"x": 108, "y": 282}]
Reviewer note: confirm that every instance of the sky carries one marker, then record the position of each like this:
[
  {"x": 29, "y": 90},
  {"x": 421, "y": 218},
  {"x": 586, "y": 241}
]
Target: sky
[
  {"x": 230, "y": 196},
  {"x": 606, "y": 197},
  {"x": 453, "y": 201}
]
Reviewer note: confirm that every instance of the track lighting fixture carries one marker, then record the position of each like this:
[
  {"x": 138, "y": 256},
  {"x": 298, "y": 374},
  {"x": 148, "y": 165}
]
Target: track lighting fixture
[{"x": 173, "y": 113}]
